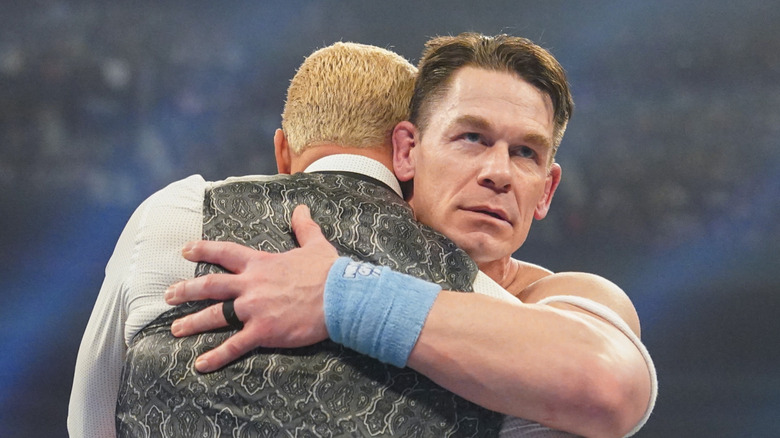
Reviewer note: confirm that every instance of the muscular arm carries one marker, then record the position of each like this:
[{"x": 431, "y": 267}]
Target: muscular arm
[{"x": 553, "y": 364}]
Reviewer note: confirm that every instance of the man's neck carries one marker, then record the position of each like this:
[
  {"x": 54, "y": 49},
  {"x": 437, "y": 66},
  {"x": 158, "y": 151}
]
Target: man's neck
[{"x": 313, "y": 153}]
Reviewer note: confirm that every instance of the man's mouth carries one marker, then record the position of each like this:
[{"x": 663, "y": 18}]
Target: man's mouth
[{"x": 495, "y": 213}]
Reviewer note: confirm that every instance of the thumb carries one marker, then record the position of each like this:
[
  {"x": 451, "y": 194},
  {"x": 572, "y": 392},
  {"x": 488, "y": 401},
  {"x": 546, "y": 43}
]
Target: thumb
[{"x": 305, "y": 229}]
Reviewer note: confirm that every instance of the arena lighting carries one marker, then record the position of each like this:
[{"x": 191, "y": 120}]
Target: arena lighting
[
  {"x": 57, "y": 278},
  {"x": 57, "y": 274},
  {"x": 674, "y": 280}
]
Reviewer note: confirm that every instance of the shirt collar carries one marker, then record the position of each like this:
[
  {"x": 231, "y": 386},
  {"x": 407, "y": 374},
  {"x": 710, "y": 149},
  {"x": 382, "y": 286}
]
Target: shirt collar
[{"x": 357, "y": 164}]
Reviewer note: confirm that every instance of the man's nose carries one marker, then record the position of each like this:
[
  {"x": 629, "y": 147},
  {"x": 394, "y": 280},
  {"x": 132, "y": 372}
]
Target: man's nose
[{"x": 495, "y": 169}]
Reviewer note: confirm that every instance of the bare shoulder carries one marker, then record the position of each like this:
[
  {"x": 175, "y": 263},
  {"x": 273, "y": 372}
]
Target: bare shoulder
[{"x": 582, "y": 284}]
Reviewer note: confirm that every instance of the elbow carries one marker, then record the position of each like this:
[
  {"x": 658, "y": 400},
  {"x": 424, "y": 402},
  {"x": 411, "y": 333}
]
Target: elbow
[{"x": 619, "y": 401}]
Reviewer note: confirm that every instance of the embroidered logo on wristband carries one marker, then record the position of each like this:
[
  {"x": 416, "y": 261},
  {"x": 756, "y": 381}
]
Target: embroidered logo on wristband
[{"x": 363, "y": 269}]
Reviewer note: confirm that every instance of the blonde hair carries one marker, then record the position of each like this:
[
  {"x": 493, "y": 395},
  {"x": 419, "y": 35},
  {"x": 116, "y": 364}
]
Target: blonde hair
[{"x": 347, "y": 94}]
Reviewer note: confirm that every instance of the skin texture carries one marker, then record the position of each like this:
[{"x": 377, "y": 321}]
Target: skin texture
[{"x": 481, "y": 170}]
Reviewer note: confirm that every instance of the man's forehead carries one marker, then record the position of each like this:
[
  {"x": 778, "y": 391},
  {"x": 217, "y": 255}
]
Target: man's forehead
[
  {"x": 470, "y": 89},
  {"x": 475, "y": 84}
]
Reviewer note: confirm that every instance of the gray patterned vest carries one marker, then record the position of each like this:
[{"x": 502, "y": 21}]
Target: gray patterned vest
[{"x": 324, "y": 390}]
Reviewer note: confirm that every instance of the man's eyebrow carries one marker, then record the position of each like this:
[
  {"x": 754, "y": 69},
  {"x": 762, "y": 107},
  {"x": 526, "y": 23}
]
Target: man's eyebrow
[
  {"x": 539, "y": 140},
  {"x": 471, "y": 121}
]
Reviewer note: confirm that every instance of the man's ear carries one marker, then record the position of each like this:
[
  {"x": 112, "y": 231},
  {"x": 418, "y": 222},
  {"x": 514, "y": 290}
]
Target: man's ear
[
  {"x": 551, "y": 184},
  {"x": 282, "y": 152},
  {"x": 404, "y": 141}
]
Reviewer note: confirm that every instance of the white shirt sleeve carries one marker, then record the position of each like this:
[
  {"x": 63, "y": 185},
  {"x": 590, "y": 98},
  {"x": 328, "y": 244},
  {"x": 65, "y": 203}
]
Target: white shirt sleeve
[{"x": 146, "y": 260}]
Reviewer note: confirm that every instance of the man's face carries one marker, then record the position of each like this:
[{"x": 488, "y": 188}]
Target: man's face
[{"x": 481, "y": 172}]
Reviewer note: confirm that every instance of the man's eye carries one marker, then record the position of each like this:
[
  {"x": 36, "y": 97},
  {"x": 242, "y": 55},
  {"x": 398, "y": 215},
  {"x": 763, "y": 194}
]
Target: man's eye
[
  {"x": 472, "y": 137},
  {"x": 525, "y": 152}
]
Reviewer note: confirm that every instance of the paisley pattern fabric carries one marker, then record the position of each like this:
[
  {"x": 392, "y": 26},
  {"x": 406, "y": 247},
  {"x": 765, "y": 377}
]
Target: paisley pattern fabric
[{"x": 324, "y": 390}]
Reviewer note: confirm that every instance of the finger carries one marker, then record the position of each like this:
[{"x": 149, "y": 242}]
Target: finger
[
  {"x": 213, "y": 286},
  {"x": 230, "y": 255},
  {"x": 233, "y": 348},
  {"x": 306, "y": 230},
  {"x": 207, "y": 319}
]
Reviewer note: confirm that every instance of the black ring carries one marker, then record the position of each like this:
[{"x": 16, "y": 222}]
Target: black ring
[{"x": 229, "y": 312}]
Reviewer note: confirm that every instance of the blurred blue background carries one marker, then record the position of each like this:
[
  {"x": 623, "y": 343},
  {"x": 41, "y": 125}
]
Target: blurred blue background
[{"x": 671, "y": 166}]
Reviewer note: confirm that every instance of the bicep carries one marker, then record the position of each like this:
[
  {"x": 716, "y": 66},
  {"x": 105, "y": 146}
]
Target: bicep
[{"x": 589, "y": 286}]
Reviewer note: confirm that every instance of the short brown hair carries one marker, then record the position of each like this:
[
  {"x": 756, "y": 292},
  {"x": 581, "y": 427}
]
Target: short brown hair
[
  {"x": 347, "y": 94},
  {"x": 443, "y": 56}
]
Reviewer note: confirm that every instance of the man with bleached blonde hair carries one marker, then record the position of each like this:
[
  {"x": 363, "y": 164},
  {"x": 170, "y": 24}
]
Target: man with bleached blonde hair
[
  {"x": 133, "y": 377},
  {"x": 331, "y": 99}
]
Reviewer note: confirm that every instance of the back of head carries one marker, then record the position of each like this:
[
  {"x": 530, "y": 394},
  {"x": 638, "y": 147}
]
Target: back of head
[
  {"x": 443, "y": 56},
  {"x": 347, "y": 94}
]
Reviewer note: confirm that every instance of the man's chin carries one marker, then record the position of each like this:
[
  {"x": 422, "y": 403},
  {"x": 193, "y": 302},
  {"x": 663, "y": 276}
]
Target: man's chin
[{"x": 483, "y": 250}]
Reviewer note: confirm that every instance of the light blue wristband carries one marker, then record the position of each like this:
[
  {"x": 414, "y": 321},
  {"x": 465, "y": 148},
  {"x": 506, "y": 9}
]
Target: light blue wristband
[{"x": 375, "y": 310}]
